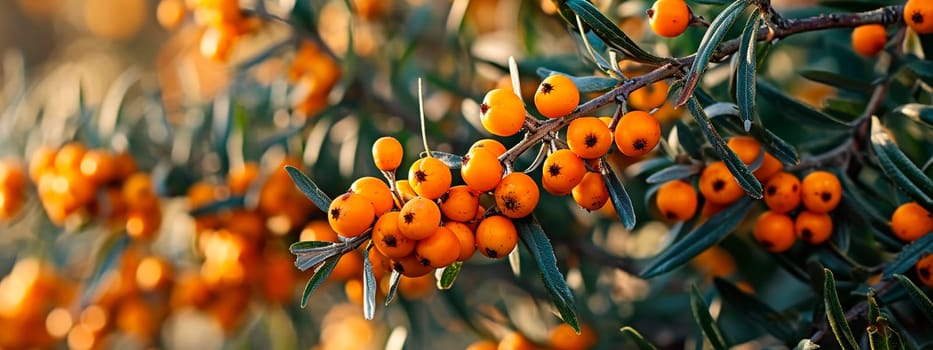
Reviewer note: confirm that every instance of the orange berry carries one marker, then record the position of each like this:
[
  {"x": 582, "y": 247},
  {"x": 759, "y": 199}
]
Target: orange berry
[
  {"x": 649, "y": 97},
  {"x": 388, "y": 239},
  {"x": 376, "y": 191},
  {"x": 419, "y": 218},
  {"x": 869, "y": 39},
  {"x": 669, "y": 18},
  {"x": 774, "y": 231},
  {"x": 170, "y": 13},
  {"x": 782, "y": 192},
  {"x": 589, "y": 137},
  {"x": 910, "y": 221},
  {"x": 563, "y": 337},
  {"x": 925, "y": 270},
  {"x": 98, "y": 165},
  {"x": 502, "y": 112},
  {"x": 557, "y": 96},
  {"x": 465, "y": 236},
  {"x": 429, "y": 177},
  {"x": 405, "y": 191},
  {"x": 918, "y": 14},
  {"x": 484, "y": 344},
  {"x": 413, "y": 288},
  {"x": 769, "y": 167},
  {"x": 381, "y": 263},
  {"x": 517, "y": 195},
  {"x": 748, "y": 149},
  {"x": 591, "y": 193},
  {"x": 217, "y": 42},
  {"x": 69, "y": 157},
  {"x": 387, "y": 153},
  {"x": 496, "y": 236},
  {"x": 561, "y": 172},
  {"x": 12, "y": 176},
  {"x": 350, "y": 214},
  {"x": 349, "y": 266},
  {"x": 10, "y": 203},
  {"x": 718, "y": 185},
  {"x": 318, "y": 230},
  {"x": 239, "y": 180},
  {"x": 410, "y": 266},
  {"x": 41, "y": 160},
  {"x": 813, "y": 228},
  {"x": 714, "y": 261},
  {"x": 440, "y": 249},
  {"x": 515, "y": 341},
  {"x": 353, "y": 288},
  {"x": 493, "y": 146},
  {"x": 481, "y": 170},
  {"x": 459, "y": 203},
  {"x": 143, "y": 225},
  {"x": 138, "y": 191},
  {"x": 637, "y": 133},
  {"x": 677, "y": 200},
  {"x": 126, "y": 165},
  {"x": 821, "y": 191}
]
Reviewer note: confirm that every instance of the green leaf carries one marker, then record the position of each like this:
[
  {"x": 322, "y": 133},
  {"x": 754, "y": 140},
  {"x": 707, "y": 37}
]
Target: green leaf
[
  {"x": 878, "y": 338},
  {"x": 218, "y": 206},
  {"x": 920, "y": 113},
  {"x": 711, "y": 39},
  {"x": 706, "y": 322},
  {"x": 320, "y": 275},
  {"x": 310, "y": 246},
  {"x": 698, "y": 240},
  {"x": 318, "y": 197},
  {"x": 674, "y": 172},
  {"x": 897, "y": 167},
  {"x": 835, "y": 314},
  {"x": 874, "y": 311},
  {"x": 922, "y": 69},
  {"x": 394, "y": 279},
  {"x": 449, "y": 275},
  {"x": 584, "y": 84},
  {"x": 757, "y": 312},
  {"x": 739, "y": 170},
  {"x": 835, "y": 80},
  {"x": 369, "y": 288},
  {"x": 908, "y": 256},
  {"x": 538, "y": 244},
  {"x": 620, "y": 198},
  {"x": 606, "y": 30},
  {"x": 687, "y": 140},
  {"x": 917, "y": 296},
  {"x": 108, "y": 256},
  {"x": 804, "y": 115},
  {"x": 308, "y": 254},
  {"x": 746, "y": 72},
  {"x": 636, "y": 338},
  {"x": 452, "y": 161}
]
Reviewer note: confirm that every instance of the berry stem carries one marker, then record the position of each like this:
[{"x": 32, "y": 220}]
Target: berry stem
[{"x": 424, "y": 125}]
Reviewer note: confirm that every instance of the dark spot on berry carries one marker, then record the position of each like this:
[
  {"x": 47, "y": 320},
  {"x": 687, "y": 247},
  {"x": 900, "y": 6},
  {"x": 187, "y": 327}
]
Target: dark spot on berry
[
  {"x": 483, "y": 108},
  {"x": 640, "y": 144},
  {"x": 772, "y": 190},
  {"x": 408, "y": 218},
  {"x": 670, "y": 215},
  {"x": 424, "y": 262},
  {"x": 553, "y": 169},
  {"x": 421, "y": 176},
  {"x": 719, "y": 185},
  {"x": 924, "y": 273},
  {"x": 650, "y": 13},
  {"x": 491, "y": 253},
  {"x": 511, "y": 203},
  {"x": 806, "y": 234},
  {"x": 335, "y": 213},
  {"x": 767, "y": 244},
  {"x": 794, "y": 188},
  {"x": 917, "y": 17},
  {"x": 826, "y": 196},
  {"x": 390, "y": 241},
  {"x": 546, "y": 88},
  {"x": 590, "y": 140}
]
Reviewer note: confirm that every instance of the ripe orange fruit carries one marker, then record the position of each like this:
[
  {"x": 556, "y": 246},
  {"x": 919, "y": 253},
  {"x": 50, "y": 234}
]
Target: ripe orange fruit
[
  {"x": 557, "y": 96},
  {"x": 419, "y": 218},
  {"x": 517, "y": 195},
  {"x": 502, "y": 112},
  {"x": 493, "y": 146},
  {"x": 669, "y": 18},
  {"x": 714, "y": 261},
  {"x": 170, "y": 13},
  {"x": 405, "y": 191},
  {"x": 388, "y": 239},
  {"x": 376, "y": 191},
  {"x": 748, "y": 149},
  {"x": 10, "y": 203},
  {"x": 649, "y": 96},
  {"x": 589, "y": 137},
  {"x": 459, "y": 204},
  {"x": 869, "y": 39},
  {"x": 925, "y": 270},
  {"x": 350, "y": 214},
  {"x": 782, "y": 192},
  {"x": 414, "y": 288},
  {"x": 381, "y": 263},
  {"x": 718, "y": 185},
  {"x": 774, "y": 231},
  {"x": 591, "y": 193},
  {"x": 637, "y": 133},
  {"x": 813, "y": 228},
  {"x": 318, "y": 230},
  {"x": 496, "y": 236},
  {"x": 429, "y": 177},
  {"x": 484, "y": 344},
  {"x": 918, "y": 14},
  {"x": 821, "y": 191},
  {"x": 515, "y": 341},
  {"x": 387, "y": 153},
  {"x": 677, "y": 200},
  {"x": 410, "y": 266},
  {"x": 98, "y": 166},
  {"x": 439, "y": 249},
  {"x": 143, "y": 225},
  {"x": 240, "y": 179},
  {"x": 561, "y": 172},
  {"x": 353, "y": 288},
  {"x": 349, "y": 266},
  {"x": 563, "y": 337},
  {"x": 465, "y": 235},
  {"x": 910, "y": 221},
  {"x": 69, "y": 157},
  {"x": 481, "y": 170}
]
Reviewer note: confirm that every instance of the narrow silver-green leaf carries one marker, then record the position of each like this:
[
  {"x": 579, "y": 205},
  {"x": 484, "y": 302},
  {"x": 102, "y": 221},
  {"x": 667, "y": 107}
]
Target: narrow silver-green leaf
[
  {"x": 673, "y": 172},
  {"x": 309, "y": 188},
  {"x": 320, "y": 275},
  {"x": 309, "y": 246},
  {"x": 585, "y": 84},
  {"x": 757, "y": 312},
  {"x": 739, "y": 170},
  {"x": 608, "y": 31},
  {"x": 746, "y": 72},
  {"x": 687, "y": 141},
  {"x": 217, "y": 206},
  {"x": 835, "y": 314},
  {"x": 917, "y": 296},
  {"x": 369, "y": 288},
  {"x": 806, "y": 344},
  {"x": 922, "y": 69},
  {"x": 619, "y": 198},
  {"x": 538, "y": 244},
  {"x": 394, "y": 279},
  {"x": 836, "y": 80},
  {"x": 804, "y": 115},
  {"x": 449, "y": 275},
  {"x": 909, "y": 256},
  {"x": 452, "y": 161},
  {"x": 711, "y": 39},
  {"x": 640, "y": 342},
  {"x": 707, "y": 324},
  {"x": 907, "y": 176},
  {"x": 917, "y": 112}
]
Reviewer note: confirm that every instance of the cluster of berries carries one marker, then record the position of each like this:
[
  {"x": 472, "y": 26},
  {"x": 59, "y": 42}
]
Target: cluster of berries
[{"x": 223, "y": 22}]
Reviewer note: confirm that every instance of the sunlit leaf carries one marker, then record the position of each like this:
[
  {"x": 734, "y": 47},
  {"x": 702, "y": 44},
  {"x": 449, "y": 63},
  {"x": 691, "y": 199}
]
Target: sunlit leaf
[
  {"x": 897, "y": 167},
  {"x": 673, "y": 172},
  {"x": 309, "y": 188},
  {"x": 320, "y": 275},
  {"x": 835, "y": 313},
  {"x": 218, "y": 206},
  {"x": 747, "y": 71},
  {"x": 452, "y": 161},
  {"x": 449, "y": 275},
  {"x": 606, "y": 30},
  {"x": 920, "y": 113},
  {"x": 806, "y": 344},
  {"x": 584, "y": 84},
  {"x": 538, "y": 244},
  {"x": 636, "y": 338},
  {"x": 711, "y": 39},
  {"x": 369, "y": 288},
  {"x": 706, "y": 322},
  {"x": 394, "y": 278}
]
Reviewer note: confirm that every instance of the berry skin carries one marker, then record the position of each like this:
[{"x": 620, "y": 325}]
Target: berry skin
[
  {"x": 649, "y": 97},
  {"x": 493, "y": 146},
  {"x": 459, "y": 204},
  {"x": 591, "y": 193},
  {"x": 515, "y": 341},
  {"x": 563, "y": 337},
  {"x": 637, "y": 133},
  {"x": 669, "y": 18},
  {"x": 589, "y": 137},
  {"x": 388, "y": 239},
  {"x": 557, "y": 96},
  {"x": 440, "y": 249},
  {"x": 350, "y": 214},
  {"x": 748, "y": 149},
  {"x": 517, "y": 195},
  {"x": 821, "y": 191},
  {"x": 481, "y": 170},
  {"x": 496, "y": 236},
  {"x": 405, "y": 191},
  {"x": 98, "y": 166},
  {"x": 925, "y": 270},
  {"x": 376, "y": 191},
  {"x": 782, "y": 192},
  {"x": 465, "y": 236},
  {"x": 718, "y": 185},
  {"x": 910, "y": 221},
  {"x": 774, "y": 231},
  {"x": 483, "y": 345},
  {"x": 429, "y": 177},
  {"x": 868, "y": 40},
  {"x": 387, "y": 153},
  {"x": 561, "y": 172},
  {"x": 813, "y": 228},
  {"x": 677, "y": 200},
  {"x": 918, "y": 14},
  {"x": 238, "y": 180},
  {"x": 419, "y": 218},
  {"x": 502, "y": 112},
  {"x": 41, "y": 160},
  {"x": 410, "y": 266}
]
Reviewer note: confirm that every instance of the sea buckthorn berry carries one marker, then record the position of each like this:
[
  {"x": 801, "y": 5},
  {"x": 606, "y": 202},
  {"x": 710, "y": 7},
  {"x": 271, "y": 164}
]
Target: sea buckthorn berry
[
  {"x": 69, "y": 157},
  {"x": 918, "y": 14},
  {"x": 10, "y": 203},
  {"x": 821, "y": 191},
  {"x": 485, "y": 344},
  {"x": 714, "y": 261},
  {"x": 440, "y": 249},
  {"x": 353, "y": 288},
  {"x": 410, "y": 266},
  {"x": 381, "y": 263},
  {"x": 12, "y": 176},
  {"x": 782, "y": 192},
  {"x": 143, "y": 224},
  {"x": 769, "y": 167},
  {"x": 414, "y": 288},
  {"x": 388, "y": 239},
  {"x": 649, "y": 97},
  {"x": 419, "y": 218},
  {"x": 748, "y": 149},
  {"x": 774, "y": 231},
  {"x": 925, "y": 270},
  {"x": 910, "y": 221},
  {"x": 459, "y": 204},
  {"x": 429, "y": 177},
  {"x": 869, "y": 39},
  {"x": 405, "y": 191},
  {"x": 170, "y": 13},
  {"x": 813, "y": 228},
  {"x": 318, "y": 230},
  {"x": 241, "y": 178},
  {"x": 465, "y": 235},
  {"x": 589, "y": 137},
  {"x": 637, "y": 133},
  {"x": 677, "y": 200},
  {"x": 496, "y": 236},
  {"x": 591, "y": 193},
  {"x": 493, "y": 146},
  {"x": 98, "y": 166},
  {"x": 669, "y": 18},
  {"x": 557, "y": 96},
  {"x": 561, "y": 172},
  {"x": 718, "y": 185},
  {"x": 481, "y": 170},
  {"x": 387, "y": 153},
  {"x": 516, "y": 341},
  {"x": 563, "y": 337},
  {"x": 517, "y": 195},
  {"x": 350, "y": 214},
  {"x": 40, "y": 161},
  {"x": 350, "y": 265},
  {"x": 376, "y": 191},
  {"x": 502, "y": 112}
]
